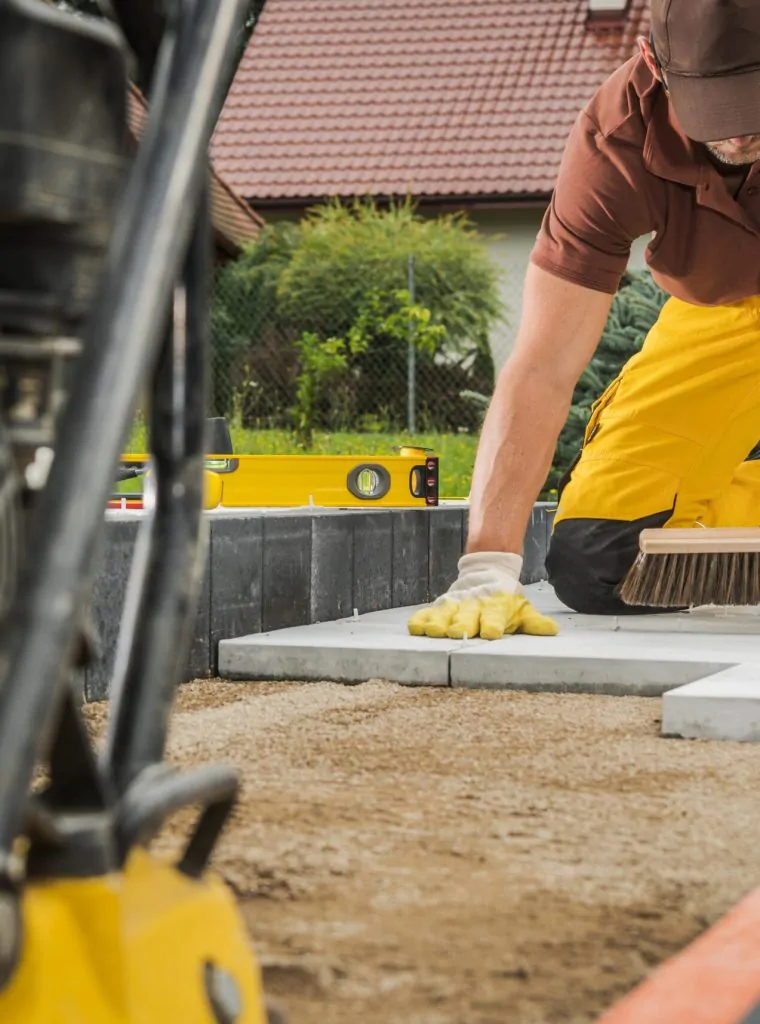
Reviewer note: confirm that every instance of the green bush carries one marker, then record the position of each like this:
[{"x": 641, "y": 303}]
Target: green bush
[
  {"x": 346, "y": 253},
  {"x": 340, "y": 271},
  {"x": 335, "y": 372},
  {"x": 324, "y": 370}
]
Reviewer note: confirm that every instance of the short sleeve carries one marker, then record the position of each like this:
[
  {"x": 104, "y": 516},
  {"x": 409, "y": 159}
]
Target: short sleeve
[{"x": 599, "y": 207}]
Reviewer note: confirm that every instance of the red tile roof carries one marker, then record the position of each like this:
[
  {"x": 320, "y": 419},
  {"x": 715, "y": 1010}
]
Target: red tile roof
[
  {"x": 428, "y": 97},
  {"x": 235, "y": 223}
]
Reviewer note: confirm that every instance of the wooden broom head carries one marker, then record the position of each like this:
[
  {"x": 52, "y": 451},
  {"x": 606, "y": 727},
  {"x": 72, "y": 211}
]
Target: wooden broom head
[{"x": 690, "y": 567}]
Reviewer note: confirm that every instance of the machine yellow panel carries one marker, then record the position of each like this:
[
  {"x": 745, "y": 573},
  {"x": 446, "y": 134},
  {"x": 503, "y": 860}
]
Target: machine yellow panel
[{"x": 144, "y": 946}]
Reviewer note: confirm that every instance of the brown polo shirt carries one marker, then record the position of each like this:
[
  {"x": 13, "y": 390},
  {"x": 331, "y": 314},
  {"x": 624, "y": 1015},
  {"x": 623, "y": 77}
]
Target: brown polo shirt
[{"x": 628, "y": 170}]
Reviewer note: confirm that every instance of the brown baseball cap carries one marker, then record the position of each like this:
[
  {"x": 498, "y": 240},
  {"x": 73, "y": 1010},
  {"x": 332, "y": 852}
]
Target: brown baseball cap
[{"x": 710, "y": 53}]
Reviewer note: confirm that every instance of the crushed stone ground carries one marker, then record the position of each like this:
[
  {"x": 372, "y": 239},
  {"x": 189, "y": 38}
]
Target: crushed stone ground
[{"x": 437, "y": 856}]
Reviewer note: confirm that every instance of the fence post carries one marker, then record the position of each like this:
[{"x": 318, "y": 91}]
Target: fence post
[{"x": 411, "y": 357}]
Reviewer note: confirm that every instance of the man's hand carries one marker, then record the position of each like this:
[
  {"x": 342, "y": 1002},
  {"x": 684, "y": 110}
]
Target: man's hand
[{"x": 485, "y": 601}]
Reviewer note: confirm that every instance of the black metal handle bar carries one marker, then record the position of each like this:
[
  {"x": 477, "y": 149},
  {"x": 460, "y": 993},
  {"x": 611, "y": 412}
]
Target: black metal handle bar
[
  {"x": 123, "y": 335},
  {"x": 160, "y": 791}
]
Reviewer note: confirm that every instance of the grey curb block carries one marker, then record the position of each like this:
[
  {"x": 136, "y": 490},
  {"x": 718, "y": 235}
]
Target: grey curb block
[{"x": 268, "y": 570}]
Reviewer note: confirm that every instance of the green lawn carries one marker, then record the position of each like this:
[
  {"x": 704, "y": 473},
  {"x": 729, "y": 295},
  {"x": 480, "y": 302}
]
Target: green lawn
[{"x": 456, "y": 451}]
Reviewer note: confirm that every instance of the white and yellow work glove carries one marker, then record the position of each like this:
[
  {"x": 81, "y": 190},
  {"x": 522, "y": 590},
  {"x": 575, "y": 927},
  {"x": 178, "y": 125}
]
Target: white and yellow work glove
[{"x": 485, "y": 600}]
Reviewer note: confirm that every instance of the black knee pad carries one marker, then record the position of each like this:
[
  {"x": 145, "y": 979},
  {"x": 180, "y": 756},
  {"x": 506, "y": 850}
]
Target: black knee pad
[{"x": 588, "y": 559}]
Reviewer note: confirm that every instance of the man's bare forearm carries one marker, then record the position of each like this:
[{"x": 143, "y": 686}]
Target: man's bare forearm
[
  {"x": 514, "y": 457},
  {"x": 560, "y": 329}
]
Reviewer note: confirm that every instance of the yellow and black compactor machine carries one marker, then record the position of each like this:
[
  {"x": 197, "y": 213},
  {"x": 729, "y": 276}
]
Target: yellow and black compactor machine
[{"x": 104, "y": 269}]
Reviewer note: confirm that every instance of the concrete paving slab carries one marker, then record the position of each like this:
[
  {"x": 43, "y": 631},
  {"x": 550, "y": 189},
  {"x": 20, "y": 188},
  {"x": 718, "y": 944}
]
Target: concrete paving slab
[
  {"x": 593, "y": 654},
  {"x": 519, "y": 664},
  {"x": 724, "y": 706},
  {"x": 646, "y": 655},
  {"x": 373, "y": 646}
]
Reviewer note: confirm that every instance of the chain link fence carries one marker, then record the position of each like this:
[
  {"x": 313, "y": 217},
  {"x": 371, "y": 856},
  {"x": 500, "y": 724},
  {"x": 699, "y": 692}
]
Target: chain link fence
[{"x": 388, "y": 370}]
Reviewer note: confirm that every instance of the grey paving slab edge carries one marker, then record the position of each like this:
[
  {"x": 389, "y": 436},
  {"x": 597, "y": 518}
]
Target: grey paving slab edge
[
  {"x": 199, "y": 659},
  {"x": 621, "y": 676},
  {"x": 286, "y": 573},
  {"x": 336, "y": 664},
  {"x": 332, "y": 559},
  {"x": 724, "y": 706}
]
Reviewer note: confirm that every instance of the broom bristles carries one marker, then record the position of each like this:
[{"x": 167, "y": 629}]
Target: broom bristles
[{"x": 689, "y": 579}]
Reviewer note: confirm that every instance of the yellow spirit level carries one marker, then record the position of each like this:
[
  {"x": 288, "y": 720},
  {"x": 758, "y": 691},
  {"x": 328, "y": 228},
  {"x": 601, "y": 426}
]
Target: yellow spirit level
[{"x": 406, "y": 480}]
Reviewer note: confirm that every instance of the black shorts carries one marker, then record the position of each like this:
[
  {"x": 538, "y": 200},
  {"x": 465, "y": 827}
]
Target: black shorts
[{"x": 589, "y": 558}]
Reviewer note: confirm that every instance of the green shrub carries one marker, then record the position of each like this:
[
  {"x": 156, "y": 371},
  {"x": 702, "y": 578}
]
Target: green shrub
[
  {"x": 342, "y": 271},
  {"x": 324, "y": 372},
  {"x": 326, "y": 387},
  {"x": 347, "y": 252}
]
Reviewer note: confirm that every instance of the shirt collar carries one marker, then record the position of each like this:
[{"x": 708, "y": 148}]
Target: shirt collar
[{"x": 668, "y": 153}]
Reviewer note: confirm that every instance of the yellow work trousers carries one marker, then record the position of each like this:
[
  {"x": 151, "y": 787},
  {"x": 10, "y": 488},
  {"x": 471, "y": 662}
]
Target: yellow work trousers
[{"x": 666, "y": 445}]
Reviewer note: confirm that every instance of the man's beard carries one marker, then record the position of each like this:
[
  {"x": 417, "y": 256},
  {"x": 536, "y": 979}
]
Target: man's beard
[{"x": 735, "y": 159}]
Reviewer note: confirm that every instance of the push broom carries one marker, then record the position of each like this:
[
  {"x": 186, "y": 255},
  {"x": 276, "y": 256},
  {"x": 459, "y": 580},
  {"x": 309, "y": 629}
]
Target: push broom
[{"x": 684, "y": 568}]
